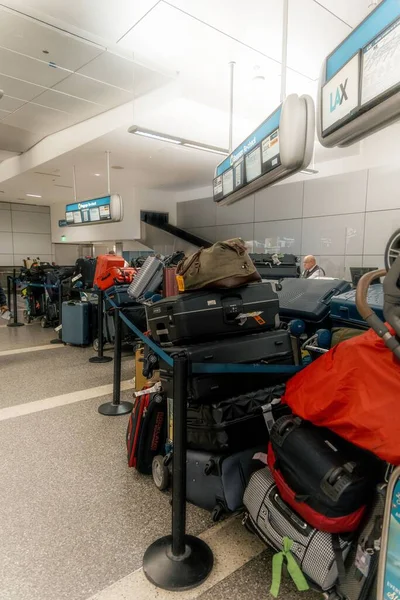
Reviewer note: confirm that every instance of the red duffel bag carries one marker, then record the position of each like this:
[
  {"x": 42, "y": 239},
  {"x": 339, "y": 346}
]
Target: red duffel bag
[{"x": 354, "y": 390}]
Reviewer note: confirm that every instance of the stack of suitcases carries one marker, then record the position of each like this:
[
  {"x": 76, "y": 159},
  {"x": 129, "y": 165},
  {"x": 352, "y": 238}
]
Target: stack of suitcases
[{"x": 225, "y": 425}]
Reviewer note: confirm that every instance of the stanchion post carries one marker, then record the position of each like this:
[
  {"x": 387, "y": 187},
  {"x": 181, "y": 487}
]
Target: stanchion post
[
  {"x": 116, "y": 407},
  {"x": 58, "y": 340},
  {"x": 100, "y": 358},
  {"x": 178, "y": 562},
  {"x": 9, "y": 279},
  {"x": 15, "y": 323}
]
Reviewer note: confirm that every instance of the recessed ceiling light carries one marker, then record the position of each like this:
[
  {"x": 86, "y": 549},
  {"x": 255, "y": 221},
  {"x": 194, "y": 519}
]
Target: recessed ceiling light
[
  {"x": 34, "y": 195},
  {"x": 117, "y": 167},
  {"x": 97, "y": 174}
]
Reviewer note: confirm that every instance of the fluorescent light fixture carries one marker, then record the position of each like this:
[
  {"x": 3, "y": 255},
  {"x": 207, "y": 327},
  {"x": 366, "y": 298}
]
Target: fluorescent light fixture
[
  {"x": 206, "y": 148},
  {"x": 309, "y": 171},
  {"x": 34, "y": 195},
  {"x": 162, "y": 137}
]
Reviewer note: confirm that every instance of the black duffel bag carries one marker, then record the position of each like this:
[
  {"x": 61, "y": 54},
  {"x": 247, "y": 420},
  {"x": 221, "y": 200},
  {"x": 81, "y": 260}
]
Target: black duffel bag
[
  {"x": 233, "y": 424},
  {"x": 325, "y": 479}
]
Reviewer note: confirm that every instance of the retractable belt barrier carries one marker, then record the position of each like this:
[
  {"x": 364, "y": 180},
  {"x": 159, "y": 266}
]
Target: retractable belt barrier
[{"x": 177, "y": 561}]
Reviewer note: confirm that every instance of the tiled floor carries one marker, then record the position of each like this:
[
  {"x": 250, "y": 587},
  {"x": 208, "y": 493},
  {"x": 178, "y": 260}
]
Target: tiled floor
[{"x": 74, "y": 519}]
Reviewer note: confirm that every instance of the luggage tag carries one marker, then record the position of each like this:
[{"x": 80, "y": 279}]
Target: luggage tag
[
  {"x": 242, "y": 317},
  {"x": 181, "y": 283},
  {"x": 363, "y": 560},
  {"x": 76, "y": 278}
]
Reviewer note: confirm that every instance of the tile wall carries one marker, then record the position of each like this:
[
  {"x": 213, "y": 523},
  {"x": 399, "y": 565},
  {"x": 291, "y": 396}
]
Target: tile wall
[
  {"x": 24, "y": 231},
  {"x": 344, "y": 220}
]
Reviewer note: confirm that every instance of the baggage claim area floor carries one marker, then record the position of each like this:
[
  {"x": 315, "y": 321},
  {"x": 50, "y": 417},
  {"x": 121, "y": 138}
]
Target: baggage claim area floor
[{"x": 75, "y": 520}]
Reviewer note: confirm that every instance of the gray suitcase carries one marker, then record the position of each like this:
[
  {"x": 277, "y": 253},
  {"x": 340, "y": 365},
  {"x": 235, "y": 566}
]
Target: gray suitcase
[
  {"x": 216, "y": 482},
  {"x": 149, "y": 278},
  {"x": 76, "y": 323},
  {"x": 273, "y": 520}
]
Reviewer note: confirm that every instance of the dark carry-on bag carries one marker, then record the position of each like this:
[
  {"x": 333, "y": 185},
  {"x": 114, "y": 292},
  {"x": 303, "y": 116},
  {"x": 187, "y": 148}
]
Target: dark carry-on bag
[
  {"x": 326, "y": 480},
  {"x": 119, "y": 295},
  {"x": 234, "y": 424},
  {"x": 320, "y": 555},
  {"x": 85, "y": 269},
  {"x": 147, "y": 429},
  {"x": 344, "y": 311},
  {"x": 309, "y": 299},
  {"x": 212, "y": 314},
  {"x": 268, "y": 347},
  {"x": 216, "y": 482},
  {"x": 272, "y": 266}
]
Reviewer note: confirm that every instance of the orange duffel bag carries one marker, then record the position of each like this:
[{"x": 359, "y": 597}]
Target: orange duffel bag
[{"x": 354, "y": 390}]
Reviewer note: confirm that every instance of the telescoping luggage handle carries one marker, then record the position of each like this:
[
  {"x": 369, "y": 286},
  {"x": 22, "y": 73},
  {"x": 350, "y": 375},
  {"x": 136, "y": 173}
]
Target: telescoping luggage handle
[{"x": 391, "y": 308}]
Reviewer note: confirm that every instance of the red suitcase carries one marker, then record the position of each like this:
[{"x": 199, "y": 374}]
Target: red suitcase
[
  {"x": 116, "y": 276},
  {"x": 104, "y": 264}
]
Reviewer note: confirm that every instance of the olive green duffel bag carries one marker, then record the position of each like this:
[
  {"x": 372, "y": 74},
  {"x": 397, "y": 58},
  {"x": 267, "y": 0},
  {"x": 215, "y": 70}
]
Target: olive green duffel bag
[{"x": 224, "y": 265}]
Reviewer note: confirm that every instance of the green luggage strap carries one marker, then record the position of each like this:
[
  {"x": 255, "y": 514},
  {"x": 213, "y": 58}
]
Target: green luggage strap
[{"x": 292, "y": 567}]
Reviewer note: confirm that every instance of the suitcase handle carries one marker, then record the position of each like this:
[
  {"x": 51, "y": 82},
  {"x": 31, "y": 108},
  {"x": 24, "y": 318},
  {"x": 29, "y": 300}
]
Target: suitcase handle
[
  {"x": 329, "y": 295},
  {"x": 230, "y": 316}
]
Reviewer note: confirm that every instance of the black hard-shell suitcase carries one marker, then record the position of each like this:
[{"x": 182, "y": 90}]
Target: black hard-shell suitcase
[
  {"x": 272, "y": 268},
  {"x": 309, "y": 299},
  {"x": 268, "y": 347},
  {"x": 216, "y": 482},
  {"x": 233, "y": 424},
  {"x": 344, "y": 311},
  {"x": 210, "y": 314},
  {"x": 84, "y": 271}
]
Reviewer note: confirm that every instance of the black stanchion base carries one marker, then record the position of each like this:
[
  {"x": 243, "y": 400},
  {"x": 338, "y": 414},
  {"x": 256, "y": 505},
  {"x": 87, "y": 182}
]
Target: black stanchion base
[
  {"x": 56, "y": 341},
  {"x": 178, "y": 574},
  {"x": 100, "y": 359},
  {"x": 15, "y": 324},
  {"x": 114, "y": 410}
]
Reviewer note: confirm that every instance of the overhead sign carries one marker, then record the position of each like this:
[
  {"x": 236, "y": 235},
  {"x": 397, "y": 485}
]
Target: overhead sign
[
  {"x": 97, "y": 210},
  {"x": 282, "y": 145},
  {"x": 359, "y": 88}
]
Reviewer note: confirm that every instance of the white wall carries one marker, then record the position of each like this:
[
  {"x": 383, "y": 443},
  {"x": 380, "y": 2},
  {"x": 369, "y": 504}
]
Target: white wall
[
  {"x": 345, "y": 220},
  {"x": 134, "y": 201},
  {"x": 24, "y": 231}
]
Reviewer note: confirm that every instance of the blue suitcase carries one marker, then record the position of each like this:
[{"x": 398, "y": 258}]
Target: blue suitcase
[
  {"x": 344, "y": 311},
  {"x": 76, "y": 323},
  {"x": 119, "y": 295}
]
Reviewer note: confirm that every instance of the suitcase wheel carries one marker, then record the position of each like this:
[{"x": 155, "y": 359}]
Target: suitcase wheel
[
  {"x": 218, "y": 512},
  {"x": 160, "y": 473}
]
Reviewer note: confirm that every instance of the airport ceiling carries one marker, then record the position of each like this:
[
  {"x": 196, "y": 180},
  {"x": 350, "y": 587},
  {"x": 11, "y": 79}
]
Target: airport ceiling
[{"x": 65, "y": 61}]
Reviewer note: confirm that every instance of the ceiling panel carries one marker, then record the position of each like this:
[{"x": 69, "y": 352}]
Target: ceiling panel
[
  {"x": 9, "y": 103},
  {"x": 4, "y": 114},
  {"x": 324, "y": 33},
  {"x": 123, "y": 73},
  {"x": 29, "y": 69},
  {"x": 30, "y": 37},
  {"x": 18, "y": 88},
  {"x": 39, "y": 119},
  {"x": 257, "y": 23},
  {"x": 16, "y": 139},
  {"x": 95, "y": 91},
  {"x": 105, "y": 18},
  {"x": 69, "y": 104},
  {"x": 352, "y": 12}
]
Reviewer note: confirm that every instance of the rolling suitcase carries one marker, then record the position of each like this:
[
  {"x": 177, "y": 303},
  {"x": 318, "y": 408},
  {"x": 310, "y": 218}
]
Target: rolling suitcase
[
  {"x": 216, "y": 482},
  {"x": 76, "y": 323},
  {"x": 119, "y": 295},
  {"x": 344, "y": 312},
  {"x": 276, "y": 266},
  {"x": 326, "y": 480},
  {"x": 104, "y": 263},
  {"x": 147, "y": 429},
  {"x": 148, "y": 279},
  {"x": 115, "y": 276},
  {"x": 84, "y": 271},
  {"x": 233, "y": 424},
  {"x": 170, "y": 285},
  {"x": 320, "y": 555},
  {"x": 210, "y": 314},
  {"x": 268, "y": 347},
  {"x": 309, "y": 299}
]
